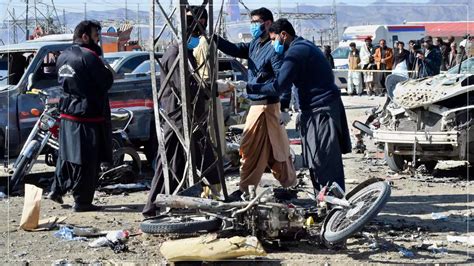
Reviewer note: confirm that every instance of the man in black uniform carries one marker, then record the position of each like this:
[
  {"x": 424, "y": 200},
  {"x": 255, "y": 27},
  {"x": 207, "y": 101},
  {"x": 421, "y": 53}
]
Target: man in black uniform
[
  {"x": 85, "y": 129},
  {"x": 175, "y": 153}
]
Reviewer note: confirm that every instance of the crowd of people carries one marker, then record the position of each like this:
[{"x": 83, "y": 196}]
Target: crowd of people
[{"x": 423, "y": 58}]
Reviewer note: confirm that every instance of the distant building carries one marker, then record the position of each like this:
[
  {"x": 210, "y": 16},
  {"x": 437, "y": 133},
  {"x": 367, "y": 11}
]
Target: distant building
[{"x": 444, "y": 29}]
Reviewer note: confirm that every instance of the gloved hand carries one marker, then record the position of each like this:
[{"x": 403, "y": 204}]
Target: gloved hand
[
  {"x": 285, "y": 118},
  {"x": 239, "y": 84},
  {"x": 224, "y": 86}
]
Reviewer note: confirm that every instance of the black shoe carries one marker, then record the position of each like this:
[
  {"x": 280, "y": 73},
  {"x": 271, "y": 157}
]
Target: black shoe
[
  {"x": 235, "y": 196},
  {"x": 55, "y": 197},
  {"x": 86, "y": 208}
]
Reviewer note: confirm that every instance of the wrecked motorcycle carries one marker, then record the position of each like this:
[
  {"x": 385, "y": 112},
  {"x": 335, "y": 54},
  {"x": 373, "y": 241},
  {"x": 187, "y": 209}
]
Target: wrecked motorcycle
[
  {"x": 275, "y": 213},
  {"x": 43, "y": 139}
]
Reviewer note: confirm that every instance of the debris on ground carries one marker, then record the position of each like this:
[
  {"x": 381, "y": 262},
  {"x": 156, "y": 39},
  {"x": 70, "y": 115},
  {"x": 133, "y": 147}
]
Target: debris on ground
[
  {"x": 67, "y": 233},
  {"x": 115, "y": 240},
  {"x": 469, "y": 240},
  {"x": 121, "y": 188},
  {"x": 211, "y": 248},
  {"x": 439, "y": 216},
  {"x": 406, "y": 253},
  {"x": 31, "y": 208}
]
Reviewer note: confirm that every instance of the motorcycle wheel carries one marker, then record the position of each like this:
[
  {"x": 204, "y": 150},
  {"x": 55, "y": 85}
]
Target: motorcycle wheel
[
  {"x": 395, "y": 162},
  {"x": 22, "y": 164},
  {"x": 368, "y": 202},
  {"x": 187, "y": 224}
]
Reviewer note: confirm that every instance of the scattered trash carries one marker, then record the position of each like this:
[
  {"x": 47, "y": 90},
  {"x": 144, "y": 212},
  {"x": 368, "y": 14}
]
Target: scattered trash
[
  {"x": 406, "y": 253},
  {"x": 120, "y": 188},
  {"x": 209, "y": 247},
  {"x": 437, "y": 249},
  {"x": 67, "y": 233},
  {"x": 439, "y": 216},
  {"x": 469, "y": 240},
  {"x": 88, "y": 232},
  {"x": 49, "y": 223},
  {"x": 31, "y": 208},
  {"x": 115, "y": 240}
]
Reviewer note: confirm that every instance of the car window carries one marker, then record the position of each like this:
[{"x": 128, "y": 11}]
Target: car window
[
  {"x": 341, "y": 53},
  {"x": 46, "y": 75},
  {"x": 3, "y": 69},
  {"x": 225, "y": 65},
  {"x": 145, "y": 67},
  {"x": 112, "y": 60},
  {"x": 131, "y": 64},
  {"x": 467, "y": 67}
]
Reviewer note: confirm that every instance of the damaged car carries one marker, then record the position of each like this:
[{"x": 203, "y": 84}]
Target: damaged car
[{"x": 428, "y": 120}]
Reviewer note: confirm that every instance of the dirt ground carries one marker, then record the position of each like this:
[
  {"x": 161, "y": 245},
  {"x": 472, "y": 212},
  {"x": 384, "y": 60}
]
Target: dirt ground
[{"x": 405, "y": 225}]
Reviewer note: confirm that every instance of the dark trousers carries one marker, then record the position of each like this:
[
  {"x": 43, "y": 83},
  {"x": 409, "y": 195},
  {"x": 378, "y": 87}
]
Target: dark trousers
[
  {"x": 80, "y": 179},
  {"x": 176, "y": 158},
  {"x": 321, "y": 139}
]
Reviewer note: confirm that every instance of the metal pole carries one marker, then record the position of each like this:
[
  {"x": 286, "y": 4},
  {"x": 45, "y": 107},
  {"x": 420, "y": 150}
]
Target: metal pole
[
  {"x": 14, "y": 26},
  {"x": 126, "y": 11},
  {"x": 64, "y": 20},
  {"x": 26, "y": 21},
  {"x": 36, "y": 15},
  {"x": 85, "y": 10},
  {"x": 213, "y": 76},
  {"x": 185, "y": 96}
]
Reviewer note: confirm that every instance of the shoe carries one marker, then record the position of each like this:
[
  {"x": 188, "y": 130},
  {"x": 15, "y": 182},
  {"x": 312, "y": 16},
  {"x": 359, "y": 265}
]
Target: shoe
[
  {"x": 86, "y": 208},
  {"x": 235, "y": 196},
  {"x": 55, "y": 197}
]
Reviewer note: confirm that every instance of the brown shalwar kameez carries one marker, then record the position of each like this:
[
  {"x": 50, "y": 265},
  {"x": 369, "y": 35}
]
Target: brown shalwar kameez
[{"x": 265, "y": 143}]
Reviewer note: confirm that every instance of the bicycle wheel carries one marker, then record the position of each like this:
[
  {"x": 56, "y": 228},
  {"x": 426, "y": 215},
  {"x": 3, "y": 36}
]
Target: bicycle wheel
[
  {"x": 367, "y": 202},
  {"x": 180, "y": 224}
]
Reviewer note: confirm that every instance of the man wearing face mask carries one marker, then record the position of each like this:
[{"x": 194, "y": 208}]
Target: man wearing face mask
[
  {"x": 85, "y": 132},
  {"x": 323, "y": 123},
  {"x": 264, "y": 141},
  {"x": 175, "y": 153}
]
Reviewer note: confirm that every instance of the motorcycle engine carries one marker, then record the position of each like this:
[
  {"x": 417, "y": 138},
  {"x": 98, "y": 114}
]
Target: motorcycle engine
[{"x": 275, "y": 221}]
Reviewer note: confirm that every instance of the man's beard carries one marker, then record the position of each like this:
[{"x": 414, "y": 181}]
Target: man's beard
[{"x": 93, "y": 46}]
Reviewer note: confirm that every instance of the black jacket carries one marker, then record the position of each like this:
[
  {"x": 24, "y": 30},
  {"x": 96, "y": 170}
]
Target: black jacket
[
  {"x": 85, "y": 81},
  {"x": 430, "y": 65}
]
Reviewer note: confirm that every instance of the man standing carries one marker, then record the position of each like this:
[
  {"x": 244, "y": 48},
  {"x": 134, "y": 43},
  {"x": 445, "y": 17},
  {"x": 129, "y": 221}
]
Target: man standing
[
  {"x": 171, "y": 105},
  {"x": 367, "y": 62},
  {"x": 430, "y": 61},
  {"x": 354, "y": 77},
  {"x": 323, "y": 119},
  {"x": 85, "y": 133},
  {"x": 384, "y": 60},
  {"x": 264, "y": 141}
]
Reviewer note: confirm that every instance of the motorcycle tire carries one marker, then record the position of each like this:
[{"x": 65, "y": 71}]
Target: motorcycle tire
[
  {"x": 340, "y": 224},
  {"x": 188, "y": 224},
  {"x": 22, "y": 164},
  {"x": 395, "y": 162}
]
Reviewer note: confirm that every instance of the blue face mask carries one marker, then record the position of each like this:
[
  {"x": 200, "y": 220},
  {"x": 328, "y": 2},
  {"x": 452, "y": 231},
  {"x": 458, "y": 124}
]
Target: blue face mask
[
  {"x": 256, "y": 29},
  {"x": 279, "y": 48},
  {"x": 193, "y": 42}
]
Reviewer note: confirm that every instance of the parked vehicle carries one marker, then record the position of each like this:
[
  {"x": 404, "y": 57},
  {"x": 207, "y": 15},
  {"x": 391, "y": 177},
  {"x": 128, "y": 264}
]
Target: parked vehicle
[
  {"x": 275, "y": 214},
  {"x": 32, "y": 65},
  {"x": 429, "y": 119},
  {"x": 44, "y": 139}
]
